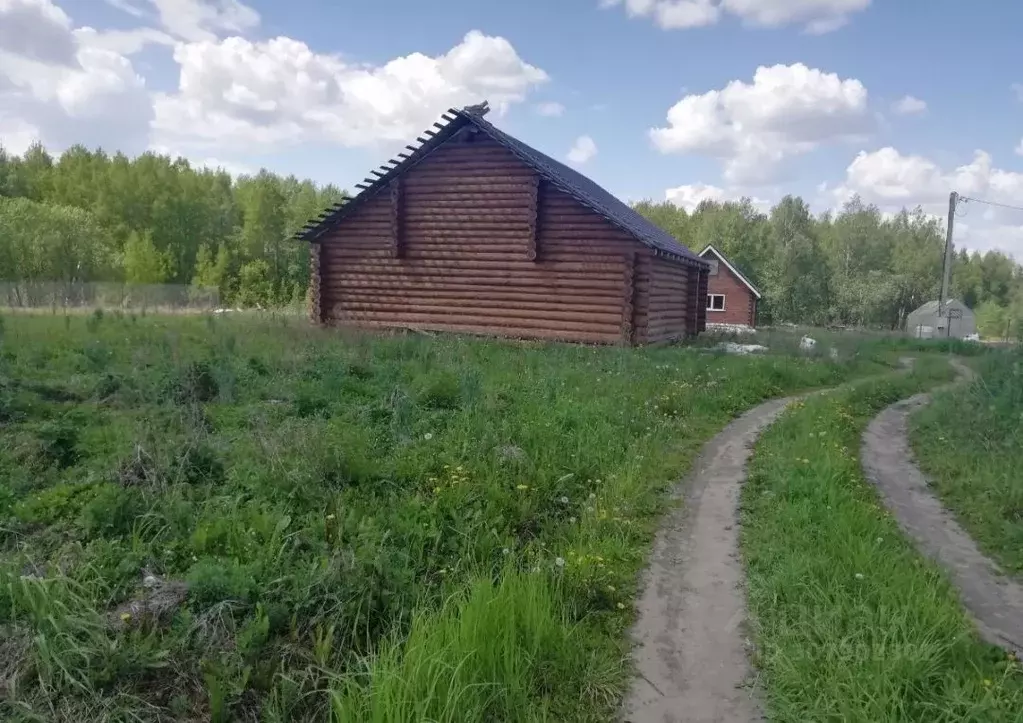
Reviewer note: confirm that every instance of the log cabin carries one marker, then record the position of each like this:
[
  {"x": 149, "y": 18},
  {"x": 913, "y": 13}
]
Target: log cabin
[{"x": 473, "y": 231}]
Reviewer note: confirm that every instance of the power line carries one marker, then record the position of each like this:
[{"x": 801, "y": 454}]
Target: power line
[{"x": 966, "y": 199}]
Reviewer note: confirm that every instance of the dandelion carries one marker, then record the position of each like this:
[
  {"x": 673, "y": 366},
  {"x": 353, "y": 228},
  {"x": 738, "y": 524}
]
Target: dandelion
[
  {"x": 428, "y": 436},
  {"x": 592, "y": 495},
  {"x": 859, "y": 576},
  {"x": 621, "y": 606},
  {"x": 880, "y": 540},
  {"x": 563, "y": 500},
  {"x": 330, "y": 517},
  {"x": 506, "y": 551},
  {"x": 522, "y": 488},
  {"x": 559, "y": 561},
  {"x": 571, "y": 520},
  {"x": 611, "y": 588},
  {"x": 125, "y": 617},
  {"x": 987, "y": 683}
]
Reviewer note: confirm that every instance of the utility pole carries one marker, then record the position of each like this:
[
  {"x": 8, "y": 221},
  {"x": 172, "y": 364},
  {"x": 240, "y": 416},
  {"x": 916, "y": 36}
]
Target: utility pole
[{"x": 946, "y": 268}]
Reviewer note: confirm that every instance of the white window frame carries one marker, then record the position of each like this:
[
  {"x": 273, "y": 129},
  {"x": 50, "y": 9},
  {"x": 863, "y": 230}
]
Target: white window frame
[{"x": 710, "y": 302}]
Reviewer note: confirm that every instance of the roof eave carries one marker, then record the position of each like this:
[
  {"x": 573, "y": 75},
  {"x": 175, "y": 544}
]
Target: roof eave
[
  {"x": 434, "y": 138},
  {"x": 738, "y": 274}
]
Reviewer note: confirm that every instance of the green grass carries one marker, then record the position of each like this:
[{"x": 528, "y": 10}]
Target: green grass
[
  {"x": 389, "y": 528},
  {"x": 969, "y": 442},
  {"x": 850, "y": 623}
]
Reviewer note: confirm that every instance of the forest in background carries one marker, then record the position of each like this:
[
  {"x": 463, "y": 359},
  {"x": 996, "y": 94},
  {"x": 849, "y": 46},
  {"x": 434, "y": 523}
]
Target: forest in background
[
  {"x": 855, "y": 267},
  {"x": 88, "y": 216}
]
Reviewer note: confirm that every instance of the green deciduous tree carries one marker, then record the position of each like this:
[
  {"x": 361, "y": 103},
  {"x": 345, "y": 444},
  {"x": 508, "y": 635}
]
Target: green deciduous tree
[
  {"x": 856, "y": 266},
  {"x": 143, "y": 263}
]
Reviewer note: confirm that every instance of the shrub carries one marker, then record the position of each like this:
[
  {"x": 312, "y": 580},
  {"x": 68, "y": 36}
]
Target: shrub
[
  {"x": 112, "y": 511},
  {"x": 58, "y": 444},
  {"x": 197, "y": 383},
  {"x": 60, "y": 502},
  {"x": 199, "y": 463}
]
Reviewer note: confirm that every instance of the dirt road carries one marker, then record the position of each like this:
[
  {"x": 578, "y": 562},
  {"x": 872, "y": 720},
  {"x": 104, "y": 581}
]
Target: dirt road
[
  {"x": 691, "y": 650},
  {"x": 994, "y": 601}
]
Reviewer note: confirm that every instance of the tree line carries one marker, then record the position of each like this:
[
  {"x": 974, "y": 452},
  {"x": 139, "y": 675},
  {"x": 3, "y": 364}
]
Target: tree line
[
  {"x": 855, "y": 267},
  {"x": 90, "y": 216}
]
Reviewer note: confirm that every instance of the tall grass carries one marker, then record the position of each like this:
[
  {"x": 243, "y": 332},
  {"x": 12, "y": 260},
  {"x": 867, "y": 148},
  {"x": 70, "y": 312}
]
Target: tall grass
[
  {"x": 849, "y": 622},
  {"x": 969, "y": 442},
  {"x": 363, "y": 525},
  {"x": 494, "y": 652}
]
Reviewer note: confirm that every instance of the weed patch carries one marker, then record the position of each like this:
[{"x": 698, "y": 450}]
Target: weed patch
[{"x": 391, "y": 528}]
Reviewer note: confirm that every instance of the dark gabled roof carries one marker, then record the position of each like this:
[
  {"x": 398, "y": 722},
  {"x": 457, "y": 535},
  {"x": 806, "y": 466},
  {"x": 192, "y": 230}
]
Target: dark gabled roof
[
  {"x": 738, "y": 274},
  {"x": 561, "y": 176}
]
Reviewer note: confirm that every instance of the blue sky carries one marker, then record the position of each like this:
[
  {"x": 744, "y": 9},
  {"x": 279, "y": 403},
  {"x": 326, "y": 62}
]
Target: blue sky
[{"x": 898, "y": 101}]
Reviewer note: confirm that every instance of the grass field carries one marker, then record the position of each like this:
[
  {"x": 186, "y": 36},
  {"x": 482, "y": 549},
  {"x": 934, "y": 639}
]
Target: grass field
[
  {"x": 850, "y": 623},
  {"x": 969, "y": 442},
  {"x": 250, "y": 519}
]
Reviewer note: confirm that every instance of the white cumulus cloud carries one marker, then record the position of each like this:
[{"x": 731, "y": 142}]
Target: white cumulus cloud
[
  {"x": 816, "y": 16},
  {"x": 582, "y": 150},
  {"x": 888, "y": 177},
  {"x": 909, "y": 105},
  {"x": 58, "y": 90},
  {"x": 893, "y": 180},
  {"x": 692, "y": 195},
  {"x": 36, "y": 30},
  {"x": 752, "y": 127},
  {"x": 237, "y": 92}
]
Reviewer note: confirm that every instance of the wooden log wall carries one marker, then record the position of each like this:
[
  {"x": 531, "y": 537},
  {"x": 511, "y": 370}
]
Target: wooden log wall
[
  {"x": 701, "y": 306},
  {"x": 486, "y": 248},
  {"x": 669, "y": 302},
  {"x": 314, "y": 299}
]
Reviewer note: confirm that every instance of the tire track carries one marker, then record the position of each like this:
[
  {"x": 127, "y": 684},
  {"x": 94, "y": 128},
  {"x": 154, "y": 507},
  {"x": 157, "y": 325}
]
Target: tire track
[
  {"x": 994, "y": 601},
  {"x": 691, "y": 651}
]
